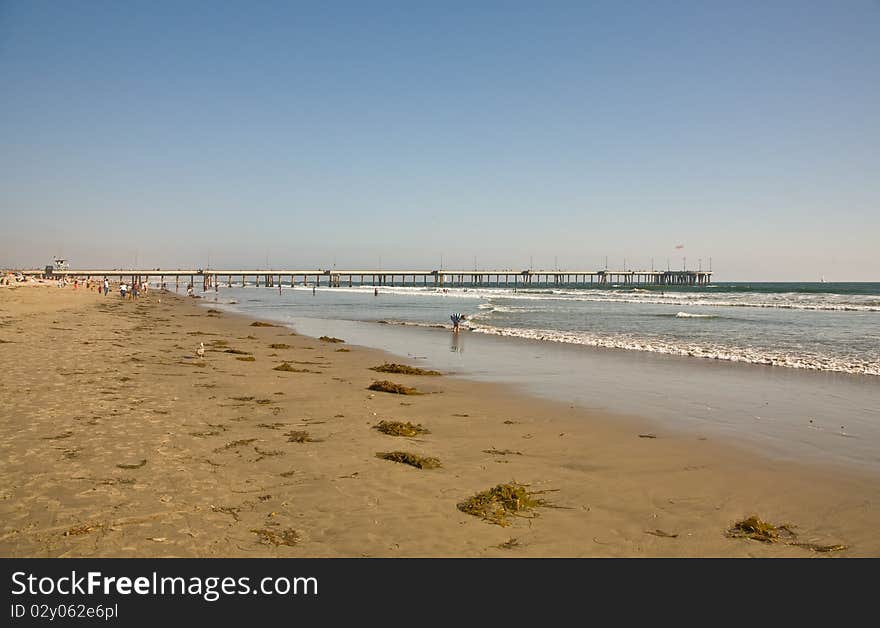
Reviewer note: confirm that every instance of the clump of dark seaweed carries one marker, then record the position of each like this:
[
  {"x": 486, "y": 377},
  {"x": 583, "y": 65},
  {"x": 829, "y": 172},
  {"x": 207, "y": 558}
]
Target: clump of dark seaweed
[
  {"x": 289, "y": 536},
  {"x": 402, "y": 369},
  {"x": 242, "y": 398},
  {"x": 391, "y": 387},
  {"x": 262, "y": 324},
  {"x": 237, "y": 351},
  {"x": 498, "y": 504},
  {"x": 398, "y": 428},
  {"x": 279, "y": 345},
  {"x": 330, "y": 339},
  {"x": 299, "y": 436},
  {"x": 413, "y": 460},
  {"x": 82, "y": 529},
  {"x": 759, "y": 530},
  {"x": 246, "y": 358}
]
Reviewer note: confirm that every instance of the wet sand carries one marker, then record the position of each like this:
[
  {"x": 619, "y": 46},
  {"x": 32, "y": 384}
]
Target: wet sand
[{"x": 117, "y": 441}]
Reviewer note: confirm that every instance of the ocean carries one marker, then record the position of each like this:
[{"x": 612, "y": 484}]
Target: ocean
[
  {"x": 790, "y": 368},
  {"x": 817, "y": 326}
]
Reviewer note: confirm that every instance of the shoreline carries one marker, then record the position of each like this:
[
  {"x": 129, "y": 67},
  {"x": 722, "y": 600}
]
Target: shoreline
[
  {"x": 87, "y": 420},
  {"x": 792, "y": 415}
]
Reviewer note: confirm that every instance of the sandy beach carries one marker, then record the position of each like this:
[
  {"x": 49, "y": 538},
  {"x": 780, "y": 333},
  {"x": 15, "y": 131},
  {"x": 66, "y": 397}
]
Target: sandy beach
[{"x": 117, "y": 440}]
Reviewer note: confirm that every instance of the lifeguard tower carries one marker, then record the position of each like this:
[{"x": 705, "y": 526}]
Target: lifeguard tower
[{"x": 60, "y": 264}]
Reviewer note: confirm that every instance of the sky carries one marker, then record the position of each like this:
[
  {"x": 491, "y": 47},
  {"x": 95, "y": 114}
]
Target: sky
[{"x": 502, "y": 134}]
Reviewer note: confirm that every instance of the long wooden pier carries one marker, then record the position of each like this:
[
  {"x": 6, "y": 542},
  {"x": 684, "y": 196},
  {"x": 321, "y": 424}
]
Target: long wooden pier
[{"x": 212, "y": 278}]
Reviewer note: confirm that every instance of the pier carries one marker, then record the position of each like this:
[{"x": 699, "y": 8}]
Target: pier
[{"x": 211, "y": 278}]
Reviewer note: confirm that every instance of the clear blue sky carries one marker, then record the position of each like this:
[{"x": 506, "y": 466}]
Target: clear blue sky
[{"x": 178, "y": 133}]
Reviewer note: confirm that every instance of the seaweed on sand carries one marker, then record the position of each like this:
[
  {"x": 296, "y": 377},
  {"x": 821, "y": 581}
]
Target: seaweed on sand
[
  {"x": 403, "y": 369},
  {"x": 246, "y": 358},
  {"x": 82, "y": 529},
  {"x": 508, "y": 544},
  {"x": 289, "y": 537},
  {"x": 413, "y": 460},
  {"x": 330, "y": 339},
  {"x": 262, "y": 324},
  {"x": 205, "y": 434},
  {"x": 237, "y": 351},
  {"x": 299, "y": 436},
  {"x": 758, "y": 530},
  {"x": 287, "y": 368},
  {"x": 391, "y": 387},
  {"x": 279, "y": 345},
  {"x": 398, "y": 428},
  {"x": 268, "y": 453},
  {"x": 498, "y": 504},
  {"x": 502, "y": 452}
]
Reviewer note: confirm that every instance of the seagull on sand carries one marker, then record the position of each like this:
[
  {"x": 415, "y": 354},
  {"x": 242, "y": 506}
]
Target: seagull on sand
[{"x": 201, "y": 350}]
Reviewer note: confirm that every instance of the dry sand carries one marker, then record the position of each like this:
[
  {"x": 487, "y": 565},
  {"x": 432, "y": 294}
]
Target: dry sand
[{"x": 117, "y": 441}]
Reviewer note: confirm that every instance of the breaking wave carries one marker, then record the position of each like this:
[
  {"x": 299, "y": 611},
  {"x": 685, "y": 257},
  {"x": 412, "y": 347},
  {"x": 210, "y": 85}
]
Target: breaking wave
[{"x": 709, "y": 351}]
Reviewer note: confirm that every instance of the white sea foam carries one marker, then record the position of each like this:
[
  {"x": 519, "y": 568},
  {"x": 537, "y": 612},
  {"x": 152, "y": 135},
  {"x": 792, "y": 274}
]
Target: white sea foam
[
  {"x": 717, "y": 352},
  {"x": 689, "y": 315}
]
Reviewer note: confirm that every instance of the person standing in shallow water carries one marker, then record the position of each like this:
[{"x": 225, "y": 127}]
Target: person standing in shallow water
[{"x": 456, "y": 321}]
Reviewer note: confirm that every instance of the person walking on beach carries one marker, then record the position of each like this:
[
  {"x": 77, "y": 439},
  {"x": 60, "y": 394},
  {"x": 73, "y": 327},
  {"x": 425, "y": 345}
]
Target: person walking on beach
[
  {"x": 375, "y": 292},
  {"x": 106, "y": 286}
]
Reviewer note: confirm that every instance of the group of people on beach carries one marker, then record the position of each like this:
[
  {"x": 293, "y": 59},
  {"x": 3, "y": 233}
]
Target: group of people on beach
[
  {"x": 130, "y": 290},
  {"x": 133, "y": 290}
]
